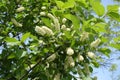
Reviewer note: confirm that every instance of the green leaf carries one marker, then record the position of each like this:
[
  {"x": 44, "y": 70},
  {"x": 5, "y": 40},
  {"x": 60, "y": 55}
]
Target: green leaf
[
  {"x": 112, "y": 8},
  {"x": 74, "y": 20},
  {"x": 46, "y": 21},
  {"x": 59, "y": 4},
  {"x": 115, "y": 45},
  {"x": 25, "y": 36},
  {"x": 98, "y": 8},
  {"x": 114, "y": 15},
  {"x": 12, "y": 41},
  {"x": 105, "y": 51},
  {"x": 100, "y": 27},
  {"x": 69, "y": 4}
]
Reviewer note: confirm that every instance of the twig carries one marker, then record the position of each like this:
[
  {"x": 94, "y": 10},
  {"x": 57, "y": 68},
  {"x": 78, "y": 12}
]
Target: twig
[{"x": 30, "y": 70}]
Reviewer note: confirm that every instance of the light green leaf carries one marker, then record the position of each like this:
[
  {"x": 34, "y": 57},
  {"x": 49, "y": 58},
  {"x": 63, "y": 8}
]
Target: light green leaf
[
  {"x": 98, "y": 8},
  {"x": 59, "y": 4},
  {"x": 112, "y": 8},
  {"x": 114, "y": 15},
  {"x": 74, "y": 20},
  {"x": 69, "y": 4},
  {"x": 25, "y": 36},
  {"x": 46, "y": 21},
  {"x": 100, "y": 27},
  {"x": 114, "y": 45},
  {"x": 12, "y": 41},
  {"x": 105, "y": 51}
]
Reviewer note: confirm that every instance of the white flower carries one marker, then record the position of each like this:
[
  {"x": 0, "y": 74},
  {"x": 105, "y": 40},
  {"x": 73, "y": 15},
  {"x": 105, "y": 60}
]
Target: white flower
[
  {"x": 64, "y": 20},
  {"x": 57, "y": 76},
  {"x": 91, "y": 55},
  {"x": 20, "y": 9},
  {"x": 63, "y": 27},
  {"x": 95, "y": 43},
  {"x": 55, "y": 20},
  {"x": 42, "y": 13},
  {"x": 84, "y": 36},
  {"x": 80, "y": 57},
  {"x": 70, "y": 61},
  {"x": 47, "y": 30},
  {"x": 43, "y": 7},
  {"x": 40, "y": 31},
  {"x": 16, "y": 23},
  {"x": 70, "y": 51},
  {"x": 51, "y": 58}
]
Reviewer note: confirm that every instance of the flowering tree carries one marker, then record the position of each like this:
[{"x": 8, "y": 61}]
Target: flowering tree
[{"x": 54, "y": 39}]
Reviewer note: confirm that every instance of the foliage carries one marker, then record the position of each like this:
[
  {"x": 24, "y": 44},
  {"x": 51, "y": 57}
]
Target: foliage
[{"x": 54, "y": 39}]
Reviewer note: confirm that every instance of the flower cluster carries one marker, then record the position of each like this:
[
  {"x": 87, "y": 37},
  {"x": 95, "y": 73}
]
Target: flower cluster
[
  {"x": 95, "y": 43},
  {"x": 44, "y": 31},
  {"x": 16, "y": 23},
  {"x": 20, "y": 9},
  {"x": 84, "y": 36}
]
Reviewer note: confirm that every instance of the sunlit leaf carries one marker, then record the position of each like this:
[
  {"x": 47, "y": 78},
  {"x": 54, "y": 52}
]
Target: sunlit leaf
[{"x": 25, "y": 36}]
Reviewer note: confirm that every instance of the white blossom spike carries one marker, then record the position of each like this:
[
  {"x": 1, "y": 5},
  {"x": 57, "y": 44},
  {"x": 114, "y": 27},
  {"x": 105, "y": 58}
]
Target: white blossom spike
[
  {"x": 20, "y": 9},
  {"x": 42, "y": 13},
  {"x": 70, "y": 51},
  {"x": 16, "y": 23},
  {"x": 40, "y": 31},
  {"x": 84, "y": 36},
  {"x": 91, "y": 55},
  {"x": 51, "y": 58},
  {"x": 95, "y": 43},
  {"x": 57, "y": 76},
  {"x": 80, "y": 58},
  {"x": 55, "y": 20},
  {"x": 47, "y": 30},
  {"x": 64, "y": 20},
  {"x": 43, "y": 7}
]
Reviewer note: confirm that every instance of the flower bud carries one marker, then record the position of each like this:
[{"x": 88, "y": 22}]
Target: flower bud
[
  {"x": 51, "y": 58},
  {"x": 42, "y": 13},
  {"x": 57, "y": 76},
  {"x": 63, "y": 27},
  {"x": 20, "y": 9},
  {"x": 84, "y": 36},
  {"x": 80, "y": 57},
  {"x": 40, "y": 31},
  {"x": 70, "y": 61},
  {"x": 47, "y": 30},
  {"x": 16, "y": 23},
  {"x": 64, "y": 20},
  {"x": 91, "y": 55},
  {"x": 70, "y": 51},
  {"x": 95, "y": 43},
  {"x": 55, "y": 20},
  {"x": 43, "y": 7}
]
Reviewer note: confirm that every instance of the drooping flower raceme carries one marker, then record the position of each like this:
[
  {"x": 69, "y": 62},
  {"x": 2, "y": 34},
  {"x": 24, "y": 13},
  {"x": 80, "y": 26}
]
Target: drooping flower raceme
[
  {"x": 43, "y": 7},
  {"x": 47, "y": 30},
  {"x": 80, "y": 58},
  {"x": 70, "y": 51},
  {"x": 84, "y": 36},
  {"x": 91, "y": 55},
  {"x": 95, "y": 43},
  {"x": 20, "y": 9},
  {"x": 51, "y": 58},
  {"x": 44, "y": 31},
  {"x": 40, "y": 30},
  {"x": 70, "y": 61},
  {"x": 42, "y": 13},
  {"x": 64, "y": 20},
  {"x": 16, "y": 23},
  {"x": 57, "y": 76},
  {"x": 55, "y": 20}
]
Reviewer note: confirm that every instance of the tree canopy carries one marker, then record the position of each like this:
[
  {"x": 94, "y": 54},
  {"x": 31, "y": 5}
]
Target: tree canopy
[{"x": 55, "y": 39}]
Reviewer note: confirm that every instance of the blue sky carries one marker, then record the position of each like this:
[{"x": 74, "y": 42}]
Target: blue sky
[{"x": 103, "y": 73}]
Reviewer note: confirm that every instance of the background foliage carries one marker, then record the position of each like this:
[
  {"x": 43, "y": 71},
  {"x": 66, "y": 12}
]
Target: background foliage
[{"x": 62, "y": 51}]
